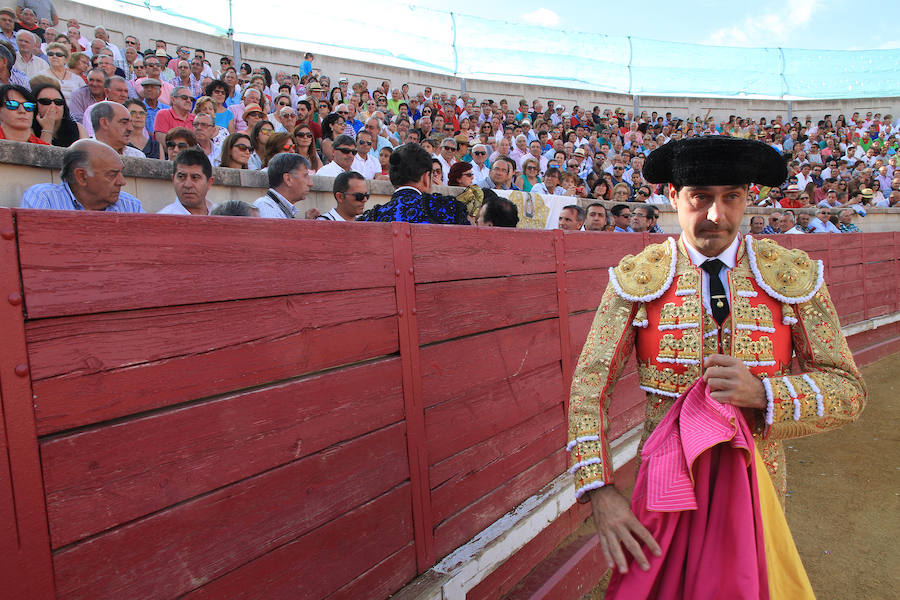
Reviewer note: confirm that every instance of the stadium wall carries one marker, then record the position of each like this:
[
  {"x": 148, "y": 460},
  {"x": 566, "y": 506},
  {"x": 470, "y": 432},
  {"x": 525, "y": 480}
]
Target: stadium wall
[
  {"x": 373, "y": 408},
  {"x": 119, "y": 24},
  {"x": 150, "y": 180}
]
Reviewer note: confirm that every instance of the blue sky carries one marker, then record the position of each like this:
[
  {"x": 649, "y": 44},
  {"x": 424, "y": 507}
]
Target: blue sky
[{"x": 821, "y": 24}]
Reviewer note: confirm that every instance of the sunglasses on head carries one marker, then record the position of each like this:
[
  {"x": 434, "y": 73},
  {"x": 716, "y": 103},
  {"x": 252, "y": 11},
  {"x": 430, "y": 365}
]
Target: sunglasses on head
[
  {"x": 49, "y": 101},
  {"x": 14, "y": 105}
]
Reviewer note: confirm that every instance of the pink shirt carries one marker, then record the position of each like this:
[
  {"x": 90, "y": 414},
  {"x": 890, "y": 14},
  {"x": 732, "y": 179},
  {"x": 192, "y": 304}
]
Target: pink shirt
[{"x": 166, "y": 120}]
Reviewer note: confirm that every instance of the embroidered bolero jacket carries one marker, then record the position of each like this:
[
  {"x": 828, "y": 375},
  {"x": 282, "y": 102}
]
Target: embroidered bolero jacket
[{"x": 780, "y": 310}]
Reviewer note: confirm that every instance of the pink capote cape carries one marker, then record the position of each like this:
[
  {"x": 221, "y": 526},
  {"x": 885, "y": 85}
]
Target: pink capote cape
[{"x": 697, "y": 494}]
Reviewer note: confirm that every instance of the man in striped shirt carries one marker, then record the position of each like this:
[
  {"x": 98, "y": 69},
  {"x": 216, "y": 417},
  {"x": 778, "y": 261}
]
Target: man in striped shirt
[{"x": 91, "y": 180}]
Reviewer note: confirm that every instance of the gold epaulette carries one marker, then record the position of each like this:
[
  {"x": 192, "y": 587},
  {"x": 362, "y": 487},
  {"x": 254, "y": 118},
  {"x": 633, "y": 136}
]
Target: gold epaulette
[
  {"x": 648, "y": 275},
  {"x": 787, "y": 275}
]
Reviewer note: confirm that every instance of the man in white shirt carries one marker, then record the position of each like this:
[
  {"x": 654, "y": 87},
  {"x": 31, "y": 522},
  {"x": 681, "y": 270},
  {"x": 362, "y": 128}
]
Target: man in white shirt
[
  {"x": 364, "y": 163},
  {"x": 192, "y": 178},
  {"x": 446, "y": 156},
  {"x": 289, "y": 183},
  {"x": 822, "y": 223},
  {"x": 344, "y": 148},
  {"x": 26, "y": 61},
  {"x": 351, "y": 196},
  {"x": 803, "y": 177},
  {"x": 112, "y": 126},
  {"x": 480, "y": 169}
]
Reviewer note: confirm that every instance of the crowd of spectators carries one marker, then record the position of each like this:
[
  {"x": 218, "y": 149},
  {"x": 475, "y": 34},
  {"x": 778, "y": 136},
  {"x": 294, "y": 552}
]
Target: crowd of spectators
[{"x": 60, "y": 87}]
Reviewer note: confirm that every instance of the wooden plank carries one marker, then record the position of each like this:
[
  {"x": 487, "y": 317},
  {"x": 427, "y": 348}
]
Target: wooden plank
[
  {"x": 569, "y": 574},
  {"x": 880, "y": 287},
  {"x": 586, "y": 288},
  {"x": 498, "y": 460},
  {"x": 89, "y": 344},
  {"x": 100, "y": 478},
  {"x": 603, "y": 250},
  {"x": 457, "y": 308},
  {"x": 179, "y": 549},
  {"x": 327, "y": 558},
  {"x": 465, "y": 524},
  {"x": 457, "y": 368},
  {"x": 383, "y": 579},
  {"x": 26, "y": 570},
  {"x": 189, "y": 353},
  {"x": 106, "y": 262},
  {"x": 457, "y": 424},
  {"x": 413, "y": 397},
  {"x": 443, "y": 253},
  {"x": 877, "y": 246},
  {"x": 506, "y": 576}
]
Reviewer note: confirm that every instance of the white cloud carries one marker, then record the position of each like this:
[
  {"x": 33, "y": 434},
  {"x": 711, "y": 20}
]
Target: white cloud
[
  {"x": 542, "y": 16},
  {"x": 777, "y": 27}
]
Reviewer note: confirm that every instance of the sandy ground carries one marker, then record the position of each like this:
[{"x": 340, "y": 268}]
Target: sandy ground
[{"x": 843, "y": 503}]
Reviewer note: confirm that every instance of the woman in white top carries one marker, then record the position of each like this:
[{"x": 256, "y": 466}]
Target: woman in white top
[{"x": 58, "y": 56}]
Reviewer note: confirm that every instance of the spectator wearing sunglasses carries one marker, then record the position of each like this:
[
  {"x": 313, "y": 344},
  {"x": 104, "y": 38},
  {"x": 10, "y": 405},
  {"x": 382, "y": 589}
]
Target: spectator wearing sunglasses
[
  {"x": 179, "y": 115},
  {"x": 344, "y": 149},
  {"x": 364, "y": 162},
  {"x": 350, "y": 194},
  {"x": 52, "y": 121},
  {"x": 481, "y": 168},
  {"x": 178, "y": 140},
  {"x": 17, "y": 109}
]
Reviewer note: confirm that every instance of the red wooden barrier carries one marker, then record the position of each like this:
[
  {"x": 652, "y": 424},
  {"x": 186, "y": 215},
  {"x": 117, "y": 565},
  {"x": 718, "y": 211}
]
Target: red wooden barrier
[{"x": 237, "y": 408}]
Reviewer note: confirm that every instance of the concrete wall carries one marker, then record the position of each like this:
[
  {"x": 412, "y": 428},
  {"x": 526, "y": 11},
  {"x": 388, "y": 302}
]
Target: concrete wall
[
  {"x": 118, "y": 25},
  {"x": 23, "y": 165}
]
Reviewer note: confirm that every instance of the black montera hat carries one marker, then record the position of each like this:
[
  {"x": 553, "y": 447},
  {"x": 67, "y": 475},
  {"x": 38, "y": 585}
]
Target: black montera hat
[{"x": 715, "y": 160}]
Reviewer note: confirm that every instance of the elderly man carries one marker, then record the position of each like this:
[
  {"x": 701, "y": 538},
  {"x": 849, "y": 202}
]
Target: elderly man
[
  {"x": 774, "y": 225},
  {"x": 846, "y": 221},
  {"x": 822, "y": 222},
  {"x": 480, "y": 167},
  {"x": 289, "y": 183},
  {"x": 412, "y": 200},
  {"x": 27, "y": 60},
  {"x": 641, "y": 218},
  {"x": 710, "y": 330},
  {"x": 9, "y": 75},
  {"x": 344, "y": 154},
  {"x": 251, "y": 97},
  {"x": 789, "y": 225},
  {"x": 7, "y": 26},
  {"x": 112, "y": 126},
  {"x": 91, "y": 180},
  {"x": 116, "y": 89},
  {"x": 119, "y": 58},
  {"x": 350, "y": 194},
  {"x": 86, "y": 96},
  {"x": 447, "y": 156},
  {"x": 179, "y": 115},
  {"x": 191, "y": 178},
  {"x": 501, "y": 175}
]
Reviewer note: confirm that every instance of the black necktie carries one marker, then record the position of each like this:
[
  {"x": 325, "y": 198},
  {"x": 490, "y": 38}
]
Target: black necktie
[{"x": 718, "y": 299}]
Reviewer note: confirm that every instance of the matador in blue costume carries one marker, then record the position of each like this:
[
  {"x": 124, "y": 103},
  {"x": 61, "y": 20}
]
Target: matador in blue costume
[{"x": 412, "y": 200}]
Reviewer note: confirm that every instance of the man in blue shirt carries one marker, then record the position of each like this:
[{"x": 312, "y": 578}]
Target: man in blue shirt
[{"x": 91, "y": 180}]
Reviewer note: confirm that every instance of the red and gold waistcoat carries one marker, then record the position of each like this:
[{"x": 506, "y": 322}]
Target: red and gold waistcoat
[{"x": 780, "y": 309}]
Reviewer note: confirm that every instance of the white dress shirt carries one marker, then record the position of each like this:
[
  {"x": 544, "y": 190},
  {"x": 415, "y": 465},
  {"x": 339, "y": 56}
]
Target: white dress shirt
[
  {"x": 177, "y": 208},
  {"x": 332, "y": 169},
  {"x": 727, "y": 256},
  {"x": 269, "y": 209}
]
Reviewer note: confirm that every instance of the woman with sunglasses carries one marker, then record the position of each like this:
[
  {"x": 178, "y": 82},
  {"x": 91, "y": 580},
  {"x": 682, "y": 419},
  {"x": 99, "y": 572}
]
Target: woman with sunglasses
[
  {"x": 306, "y": 147},
  {"x": 17, "y": 108},
  {"x": 140, "y": 138},
  {"x": 58, "y": 56},
  {"x": 277, "y": 143},
  {"x": 53, "y": 114},
  {"x": 259, "y": 135},
  {"x": 236, "y": 151},
  {"x": 530, "y": 175}
]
